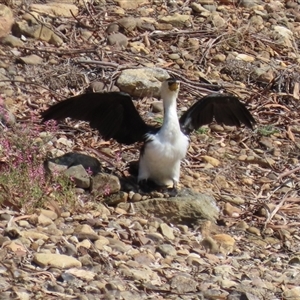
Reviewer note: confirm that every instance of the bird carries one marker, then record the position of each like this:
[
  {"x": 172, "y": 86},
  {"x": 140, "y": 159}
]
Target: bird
[{"x": 114, "y": 115}]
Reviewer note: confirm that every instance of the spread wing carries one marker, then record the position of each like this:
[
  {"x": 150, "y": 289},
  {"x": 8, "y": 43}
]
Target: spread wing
[
  {"x": 224, "y": 108},
  {"x": 112, "y": 113}
]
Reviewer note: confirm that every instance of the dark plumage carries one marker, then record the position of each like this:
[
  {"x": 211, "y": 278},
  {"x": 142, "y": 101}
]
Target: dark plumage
[
  {"x": 115, "y": 116},
  {"x": 225, "y": 108},
  {"x": 112, "y": 113}
]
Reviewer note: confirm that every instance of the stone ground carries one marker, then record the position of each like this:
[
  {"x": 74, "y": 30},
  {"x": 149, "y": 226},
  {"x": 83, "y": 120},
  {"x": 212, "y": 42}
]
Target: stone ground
[{"x": 89, "y": 248}]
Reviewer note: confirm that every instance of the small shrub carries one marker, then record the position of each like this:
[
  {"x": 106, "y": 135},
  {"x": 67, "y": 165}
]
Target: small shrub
[{"x": 23, "y": 182}]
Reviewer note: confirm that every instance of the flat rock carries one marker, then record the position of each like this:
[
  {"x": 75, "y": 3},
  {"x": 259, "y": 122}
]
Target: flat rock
[
  {"x": 12, "y": 41},
  {"x": 32, "y": 59},
  {"x": 56, "y": 260},
  {"x": 70, "y": 159},
  {"x": 167, "y": 249},
  {"x": 85, "y": 232},
  {"x": 183, "y": 209},
  {"x": 167, "y": 231},
  {"x": 34, "y": 235},
  {"x": 55, "y": 9},
  {"x": 177, "y": 20},
  {"x": 37, "y": 31},
  {"x": 142, "y": 82},
  {"x": 183, "y": 283}
]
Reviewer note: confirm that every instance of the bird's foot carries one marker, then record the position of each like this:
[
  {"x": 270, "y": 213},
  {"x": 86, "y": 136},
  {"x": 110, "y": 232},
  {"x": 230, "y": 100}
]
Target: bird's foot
[
  {"x": 147, "y": 186},
  {"x": 173, "y": 191}
]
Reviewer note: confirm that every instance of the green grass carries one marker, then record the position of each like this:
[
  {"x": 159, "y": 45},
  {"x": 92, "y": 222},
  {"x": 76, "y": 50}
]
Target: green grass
[
  {"x": 202, "y": 130},
  {"x": 159, "y": 120},
  {"x": 267, "y": 130}
]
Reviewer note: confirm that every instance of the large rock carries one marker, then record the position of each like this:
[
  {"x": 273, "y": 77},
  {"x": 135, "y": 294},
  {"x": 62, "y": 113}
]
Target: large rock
[
  {"x": 55, "y": 260},
  {"x": 36, "y": 31},
  {"x": 177, "y": 20},
  {"x": 187, "y": 208},
  {"x": 6, "y": 20},
  {"x": 56, "y": 9},
  {"x": 143, "y": 82}
]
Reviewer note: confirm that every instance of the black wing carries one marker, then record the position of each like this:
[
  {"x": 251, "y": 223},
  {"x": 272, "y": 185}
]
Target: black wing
[
  {"x": 112, "y": 113},
  {"x": 224, "y": 108}
]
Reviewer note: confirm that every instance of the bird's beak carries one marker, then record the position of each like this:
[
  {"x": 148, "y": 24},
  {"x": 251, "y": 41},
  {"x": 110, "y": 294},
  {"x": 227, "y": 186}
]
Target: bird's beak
[{"x": 173, "y": 86}]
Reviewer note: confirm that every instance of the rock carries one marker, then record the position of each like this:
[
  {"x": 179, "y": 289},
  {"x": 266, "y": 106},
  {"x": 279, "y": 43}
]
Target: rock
[
  {"x": 55, "y": 260},
  {"x": 177, "y": 20},
  {"x": 264, "y": 74},
  {"x": 118, "y": 39},
  {"x": 211, "y": 160},
  {"x": 225, "y": 243},
  {"x": 12, "y": 41},
  {"x": 128, "y": 23},
  {"x": 245, "y": 57},
  {"x": 220, "y": 57},
  {"x": 217, "y": 20},
  {"x": 105, "y": 184},
  {"x": 136, "y": 197},
  {"x": 183, "y": 283},
  {"x": 115, "y": 198},
  {"x": 284, "y": 36},
  {"x": 246, "y": 3},
  {"x": 85, "y": 232},
  {"x": 193, "y": 44},
  {"x": 102, "y": 241},
  {"x": 55, "y": 9},
  {"x": 96, "y": 87},
  {"x": 174, "y": 56},
  {"x": 186, "y": 208},
  {"x": 34, "y": 235},
  {"x": 163, "y": 26},
  {"x": 6, "y": 20},
  {"x": 209, "y": 8},
  {"x": 7, "y": 118},
  {"x": 89, "y": 163},
  {"x": 293, "y": 293},
  {"x": 257, "y": 22},
  {"x": 112, "y": 28},
  {"x": 167, "y": 231},
  {"x": 142, "y": 82},
  {"x": 79, "y": 176},
  {"x": 44, "y": 220},
  {"x": 138, "y": 47},
  {"x": 167, "y": 249},
  {"x": 196, "y": 7},
  {"x": 118, "y": 245},
  {"x": 32, "y": 59},
  {"x": 232, "y": 211},
  {"x": 125, "y": 4},
  {"x": 157, "y": 106},
  {"x": 36, "y": 31}
]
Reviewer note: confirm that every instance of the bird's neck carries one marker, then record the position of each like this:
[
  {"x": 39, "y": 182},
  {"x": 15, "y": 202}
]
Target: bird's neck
[{"x": 170, "y": 122}]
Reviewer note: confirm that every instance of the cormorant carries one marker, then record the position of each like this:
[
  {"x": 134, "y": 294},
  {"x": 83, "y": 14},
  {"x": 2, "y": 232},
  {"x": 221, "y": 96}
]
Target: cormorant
[{"x": 115, "y": 116}]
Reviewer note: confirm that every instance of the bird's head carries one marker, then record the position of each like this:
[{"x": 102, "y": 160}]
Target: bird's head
[{"x": 169, "y": 89}]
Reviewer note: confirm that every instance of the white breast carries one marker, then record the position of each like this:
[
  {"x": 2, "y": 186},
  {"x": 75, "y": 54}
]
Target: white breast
[{"x": 161, "y": 159}]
